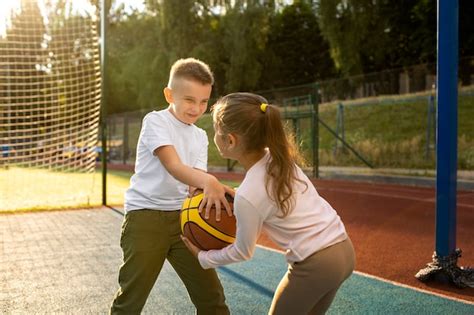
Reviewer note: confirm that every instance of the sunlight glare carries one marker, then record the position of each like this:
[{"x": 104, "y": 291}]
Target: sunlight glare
[
  {"x": 5, "y": 11},
  {"x": 81, "y": 7}
]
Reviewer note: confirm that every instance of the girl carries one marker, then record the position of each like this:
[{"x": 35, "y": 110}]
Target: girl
[{"x": 277, "y": 197}]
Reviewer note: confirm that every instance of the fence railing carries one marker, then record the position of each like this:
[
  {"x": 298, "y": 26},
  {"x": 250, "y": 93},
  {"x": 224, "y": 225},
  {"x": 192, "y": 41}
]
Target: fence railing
[{"x": 408, "y": 80}]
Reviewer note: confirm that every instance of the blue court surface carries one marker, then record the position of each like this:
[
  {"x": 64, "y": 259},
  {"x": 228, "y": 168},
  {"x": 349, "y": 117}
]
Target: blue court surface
[{"x": 249, "y": 289}]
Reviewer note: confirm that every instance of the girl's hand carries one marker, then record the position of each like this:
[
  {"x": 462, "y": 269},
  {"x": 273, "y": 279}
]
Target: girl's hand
[
  {"x": 229, "y": 190},
  {"x": 192, "y": 248}
]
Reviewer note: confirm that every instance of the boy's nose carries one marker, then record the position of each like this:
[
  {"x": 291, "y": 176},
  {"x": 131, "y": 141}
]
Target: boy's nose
[{"x": 195, "y": 108}]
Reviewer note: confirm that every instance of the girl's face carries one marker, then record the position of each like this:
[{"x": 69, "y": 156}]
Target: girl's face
[{"x": 223, "y": 143}]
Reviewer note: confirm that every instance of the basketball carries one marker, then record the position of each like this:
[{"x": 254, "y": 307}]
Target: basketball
[{"x": 207, "y": 233}]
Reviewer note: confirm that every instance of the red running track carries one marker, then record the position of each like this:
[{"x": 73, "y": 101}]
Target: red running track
[{"x": 393, "y": 229}]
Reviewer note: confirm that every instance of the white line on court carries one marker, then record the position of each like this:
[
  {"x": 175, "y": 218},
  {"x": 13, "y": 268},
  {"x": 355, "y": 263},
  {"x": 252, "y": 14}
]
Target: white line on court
[
  {"x": 389, "y": 281},
  {"x": 414, "y": 288}
]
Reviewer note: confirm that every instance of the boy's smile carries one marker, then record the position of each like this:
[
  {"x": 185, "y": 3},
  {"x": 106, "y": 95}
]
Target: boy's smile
[{"x": 188, "y": 100}]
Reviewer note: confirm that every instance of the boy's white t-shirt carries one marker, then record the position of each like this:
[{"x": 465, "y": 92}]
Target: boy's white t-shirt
[{"x": 152, "y": 187}]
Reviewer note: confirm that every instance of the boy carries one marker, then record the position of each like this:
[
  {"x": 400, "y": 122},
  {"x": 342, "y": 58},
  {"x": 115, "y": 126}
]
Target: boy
[{"x": 171, "y": 154}]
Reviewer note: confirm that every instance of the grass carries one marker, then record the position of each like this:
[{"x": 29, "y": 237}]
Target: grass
[
  {"x": 394, "y": 135},
  {"x": 38, "y": 189}
]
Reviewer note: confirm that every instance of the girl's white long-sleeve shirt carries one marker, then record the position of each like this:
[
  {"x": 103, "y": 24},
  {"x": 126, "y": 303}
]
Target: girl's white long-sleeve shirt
[{"x": 311, "y": 226}]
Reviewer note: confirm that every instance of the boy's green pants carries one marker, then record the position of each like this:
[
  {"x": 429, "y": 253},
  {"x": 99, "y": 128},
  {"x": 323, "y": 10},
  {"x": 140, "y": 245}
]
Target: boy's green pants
[{"x": 148, "y": 238}]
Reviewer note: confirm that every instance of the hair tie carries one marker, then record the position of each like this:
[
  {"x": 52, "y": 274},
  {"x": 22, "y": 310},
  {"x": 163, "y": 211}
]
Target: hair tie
[{"x": 263, "y": 107}]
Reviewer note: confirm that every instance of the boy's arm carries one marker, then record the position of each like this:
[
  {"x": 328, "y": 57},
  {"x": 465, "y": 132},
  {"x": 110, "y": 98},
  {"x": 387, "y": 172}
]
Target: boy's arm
[{"x": 214, "y": 191}]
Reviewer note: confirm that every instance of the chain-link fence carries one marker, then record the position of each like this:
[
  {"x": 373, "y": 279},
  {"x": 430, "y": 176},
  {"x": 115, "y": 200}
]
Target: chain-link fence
[{"x": 409, "y": 80}]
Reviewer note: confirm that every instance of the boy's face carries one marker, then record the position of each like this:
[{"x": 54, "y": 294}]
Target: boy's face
[{"x": 188, "y": 99}]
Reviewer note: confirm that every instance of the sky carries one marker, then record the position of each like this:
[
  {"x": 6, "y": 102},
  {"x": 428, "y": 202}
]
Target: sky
[
  {"x": 7, "y": 5},
  {"x": 132, "y": 4}
]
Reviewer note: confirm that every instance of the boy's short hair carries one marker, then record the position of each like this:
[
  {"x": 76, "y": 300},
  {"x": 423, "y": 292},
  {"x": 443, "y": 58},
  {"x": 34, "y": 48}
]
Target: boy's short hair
[{"x": 191, "y": 69}]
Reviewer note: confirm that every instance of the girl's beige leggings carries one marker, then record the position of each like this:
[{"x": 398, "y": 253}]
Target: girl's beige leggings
[{"x": 309, "y": 286}]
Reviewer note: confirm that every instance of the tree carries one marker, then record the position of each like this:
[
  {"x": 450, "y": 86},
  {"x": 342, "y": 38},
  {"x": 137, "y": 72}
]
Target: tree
[
  {"x": 367, "y": 35},
  {"x": 245, "y": 34},
  {"x": 181, "y": 27},
  {"x": 466, "y": 41},
  {"x": 301, "y": 53},
  {"x": 138, "y": 66}
]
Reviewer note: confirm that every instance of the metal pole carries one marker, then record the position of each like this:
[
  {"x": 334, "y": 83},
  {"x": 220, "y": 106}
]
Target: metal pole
[
  {"x": 446, "y": 132},
  {"x": 315, "y": 130},
  {"x": 103, "y": 101},
  {"x": 125, "y": 149},
  {"x": 444, "y": 265}
]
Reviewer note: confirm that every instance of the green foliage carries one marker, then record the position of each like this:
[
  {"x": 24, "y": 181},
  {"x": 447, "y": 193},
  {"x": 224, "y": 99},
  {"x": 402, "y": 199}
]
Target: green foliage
[
  {"x": 258, "y": 45},
  {"x": 245, "y": 37},
  {"x": 300, "y": 52},
  {"x": 344, "y": 33},
  {"x": 233, "y": 41},
  {"x": 367, "y": 36},
  {"x": 181, "y": 27},
  {"x": 135, "y": 66}
]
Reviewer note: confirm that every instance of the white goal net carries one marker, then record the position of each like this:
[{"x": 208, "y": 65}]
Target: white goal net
[{"x": 49, "y": 91}]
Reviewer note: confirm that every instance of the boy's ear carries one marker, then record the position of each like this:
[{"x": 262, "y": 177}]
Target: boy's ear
[{"x": 168, "y": 95}]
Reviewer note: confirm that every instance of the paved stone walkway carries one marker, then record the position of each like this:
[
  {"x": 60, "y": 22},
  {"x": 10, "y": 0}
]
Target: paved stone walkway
[
  {"x": 61, "y": 261},
  {"x": 64, "y": 262}
]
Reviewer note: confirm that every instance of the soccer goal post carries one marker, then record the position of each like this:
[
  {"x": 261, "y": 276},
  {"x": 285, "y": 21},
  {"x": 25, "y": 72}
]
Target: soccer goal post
[{"x": 50, "y": 95}]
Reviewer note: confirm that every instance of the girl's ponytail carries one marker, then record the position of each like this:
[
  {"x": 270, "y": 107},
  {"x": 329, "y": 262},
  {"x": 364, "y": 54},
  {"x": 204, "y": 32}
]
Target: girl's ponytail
[{"x": 281, "y": 171}]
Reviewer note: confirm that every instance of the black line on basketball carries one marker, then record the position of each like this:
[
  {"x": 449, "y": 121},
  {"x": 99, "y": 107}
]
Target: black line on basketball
[{"x": 196, "y": 242}]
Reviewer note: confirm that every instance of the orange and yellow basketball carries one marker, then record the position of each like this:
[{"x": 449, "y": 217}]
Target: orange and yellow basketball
[{"x": 207, "y": 233}]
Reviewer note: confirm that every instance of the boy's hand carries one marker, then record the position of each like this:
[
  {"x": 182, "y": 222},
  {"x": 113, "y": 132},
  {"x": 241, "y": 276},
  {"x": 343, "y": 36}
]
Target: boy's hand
[
  {"x": 192, "y": 248},
  {"x": 214, "y": 194},
  {"x": 191, "y": 191}
]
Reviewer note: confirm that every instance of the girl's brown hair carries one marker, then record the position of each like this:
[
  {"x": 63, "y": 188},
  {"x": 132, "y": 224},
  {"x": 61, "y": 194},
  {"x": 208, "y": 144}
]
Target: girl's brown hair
[{"x": 261, "y": 128}]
